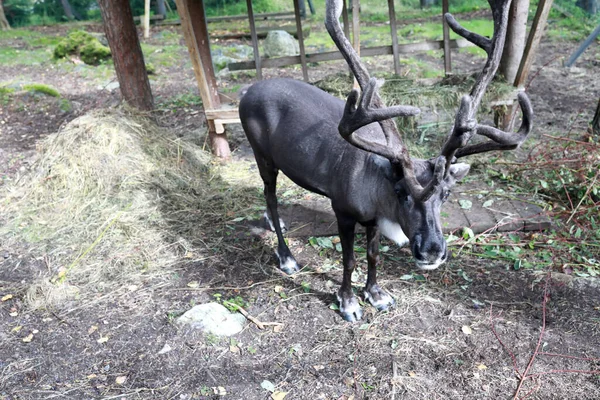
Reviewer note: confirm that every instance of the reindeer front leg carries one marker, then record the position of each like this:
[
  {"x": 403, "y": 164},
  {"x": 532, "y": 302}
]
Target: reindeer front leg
[
  {"x": 349, "y": 306},
  {"x": 375, "y": 294}
]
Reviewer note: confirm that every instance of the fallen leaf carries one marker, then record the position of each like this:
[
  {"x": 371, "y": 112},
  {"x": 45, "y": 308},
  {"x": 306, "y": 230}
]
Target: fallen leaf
[
  {"x": 17, "y": 328},
  {"x": 219, "y": 390},
  {"x": 234, "y": 349},
  {"x": 278, "y": 288},
  {"x": 193, "y": 284},
  {"x": 465, "y": 204},
  {"x": 28, "y": 338},
  {"x": 92, "y": 329},
  {"x": 482, "y": 366},
  {"x": 412, "y": 374},
  {"x": 103, "y": 339},
  {"x": 467, "y": 330},
  {"x": 120, "y": 380},
  {"x": 91, "y": 376},
  {"x": 267, "y": 385},
  {"x": 278, "y": 395},
  {"x": 166, "y": 348},
  {"x": 277, "y": 328},
  {"x": 7, "y": 297}
]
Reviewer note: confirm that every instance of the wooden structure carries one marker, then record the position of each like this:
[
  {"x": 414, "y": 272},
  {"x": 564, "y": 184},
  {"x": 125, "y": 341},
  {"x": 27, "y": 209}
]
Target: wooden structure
[{"x": 194, "y": 26}]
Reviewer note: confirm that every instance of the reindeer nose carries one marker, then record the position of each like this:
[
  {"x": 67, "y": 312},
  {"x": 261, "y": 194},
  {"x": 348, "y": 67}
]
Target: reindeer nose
[{"x": 428, "y": 250}]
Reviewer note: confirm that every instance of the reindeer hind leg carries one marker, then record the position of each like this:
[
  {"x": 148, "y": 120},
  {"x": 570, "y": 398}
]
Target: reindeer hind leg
[{"x": 268, "y": 173}]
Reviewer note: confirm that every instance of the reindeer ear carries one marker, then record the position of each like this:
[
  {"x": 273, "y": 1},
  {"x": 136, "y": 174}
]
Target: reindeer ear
[{"x": 459, "y": 171}]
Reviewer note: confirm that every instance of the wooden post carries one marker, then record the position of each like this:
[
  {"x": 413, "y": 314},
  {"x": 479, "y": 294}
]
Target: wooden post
[
  {"x": 394, "y": 29},
  {"x": 531, "y": 47},
  {"x": 344, "y": 19},
  {"x": 356, "y": 31},
  {"x": 446, "y": 28},
  {"x": 147, "y": 19},
  {"x": 300, "y": 35},
  {"x": 193, "y": 23},
  {"x": 533, "y": 41},
  {"x": 254, "y": 40}
]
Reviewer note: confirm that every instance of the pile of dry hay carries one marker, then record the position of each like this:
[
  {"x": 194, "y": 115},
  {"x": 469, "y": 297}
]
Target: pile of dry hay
[{"x": 111, "y": 203}]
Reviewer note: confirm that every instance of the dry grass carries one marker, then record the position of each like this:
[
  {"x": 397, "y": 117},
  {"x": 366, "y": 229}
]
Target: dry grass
[{"x": 113, "y": 202}]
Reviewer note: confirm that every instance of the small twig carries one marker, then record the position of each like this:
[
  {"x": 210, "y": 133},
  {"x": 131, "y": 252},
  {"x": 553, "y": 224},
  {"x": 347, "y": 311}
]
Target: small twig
[
  {"x": 591, "y": 186},
  {"x": 510, "y": 353},
  {"x": 543, "y": 353},
  {"x": 570, "y": 371},
  {"x": 245, "y": 314},
  {"x": 540, "y": 337},
  {"x": 394, "y": 377}
]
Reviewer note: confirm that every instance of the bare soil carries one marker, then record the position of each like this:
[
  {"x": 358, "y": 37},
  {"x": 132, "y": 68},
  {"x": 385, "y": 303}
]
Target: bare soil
[{"x": 436, "y": 343}]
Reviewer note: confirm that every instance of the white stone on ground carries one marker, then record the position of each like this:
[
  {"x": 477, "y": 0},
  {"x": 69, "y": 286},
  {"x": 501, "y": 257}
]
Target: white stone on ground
[{"x": 213, "y": 318}]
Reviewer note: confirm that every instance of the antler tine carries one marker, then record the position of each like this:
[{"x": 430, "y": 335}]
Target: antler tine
[
  {"x": 501, "y": 140},
  {"x": 464, "y": 125},
  {"x": 371, "y": 109}
]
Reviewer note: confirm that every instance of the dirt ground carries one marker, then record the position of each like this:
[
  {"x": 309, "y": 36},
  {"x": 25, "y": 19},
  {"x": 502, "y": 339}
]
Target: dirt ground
[{"x": 438, "y": 342}]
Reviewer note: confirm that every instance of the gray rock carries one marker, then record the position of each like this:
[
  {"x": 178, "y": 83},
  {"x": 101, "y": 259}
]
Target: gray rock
[
  {"x": 112, "y": 86},
  {"x": 225, "y": 55},
  {"x": 280, "y": 44},
  {"x": 213, "y": 318}
]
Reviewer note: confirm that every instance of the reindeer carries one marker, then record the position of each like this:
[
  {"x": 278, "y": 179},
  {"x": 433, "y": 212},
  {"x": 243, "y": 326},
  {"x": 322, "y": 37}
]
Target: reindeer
[{"x": 364, "y": 168}]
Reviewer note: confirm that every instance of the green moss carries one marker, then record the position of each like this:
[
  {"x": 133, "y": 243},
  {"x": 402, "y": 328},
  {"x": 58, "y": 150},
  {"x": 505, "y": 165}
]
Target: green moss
[
  {"x": 81, "y": 43},
  {"x": 150, "y": 69},
  {"x": 4, "y": 91},
  {"x": 41, "y": 88},
  {"x": 93, "y": 52}
]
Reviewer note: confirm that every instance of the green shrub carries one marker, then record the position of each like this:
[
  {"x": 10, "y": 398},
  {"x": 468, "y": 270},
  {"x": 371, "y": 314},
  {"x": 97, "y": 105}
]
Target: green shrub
[{"x": 86, "y": 46}]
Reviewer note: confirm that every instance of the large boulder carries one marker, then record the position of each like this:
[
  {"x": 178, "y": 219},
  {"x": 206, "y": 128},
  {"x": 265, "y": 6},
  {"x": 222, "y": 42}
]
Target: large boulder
[{"x": 280, "y": 44}]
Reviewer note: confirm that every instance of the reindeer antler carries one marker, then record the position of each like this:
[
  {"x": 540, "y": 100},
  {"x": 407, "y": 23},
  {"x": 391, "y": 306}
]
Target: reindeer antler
[
  {"x": 371, "y": 109},
  {"x": 464, "y": 125}
]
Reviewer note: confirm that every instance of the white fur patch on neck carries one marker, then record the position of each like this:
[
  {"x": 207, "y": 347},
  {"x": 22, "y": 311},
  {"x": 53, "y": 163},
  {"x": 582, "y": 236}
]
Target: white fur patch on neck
[{"x": 392, "y": 231}]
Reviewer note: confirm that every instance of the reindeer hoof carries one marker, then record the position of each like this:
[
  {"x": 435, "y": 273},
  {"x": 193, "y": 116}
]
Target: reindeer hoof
[
  {"x": 379, "y": 298},
  {"x": 350, "y": 309},
  {"x": 288, "y": 264}
]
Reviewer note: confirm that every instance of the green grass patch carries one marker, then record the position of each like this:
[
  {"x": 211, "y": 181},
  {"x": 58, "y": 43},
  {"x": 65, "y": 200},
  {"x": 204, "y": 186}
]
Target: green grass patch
[
  {"x": 41, "y": 88},
  {"x": 12, "y": 57}
]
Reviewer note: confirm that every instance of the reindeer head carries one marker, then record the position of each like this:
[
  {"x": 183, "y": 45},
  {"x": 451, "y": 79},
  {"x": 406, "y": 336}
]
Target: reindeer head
[{"x": 423, "y": 185}]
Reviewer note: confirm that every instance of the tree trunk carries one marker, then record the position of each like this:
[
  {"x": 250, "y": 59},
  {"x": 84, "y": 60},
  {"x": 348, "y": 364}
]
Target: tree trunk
[
  {"x": 591, "y": 6},
  {"x": 126, "y": 52},
  {"x": 68, "y": 9},
  {"x": 596, "y": 121},
  {"x": 516, "y": 35},
  {"x": 160, "y": 7},
  {"x": 4, "y": 25}
]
